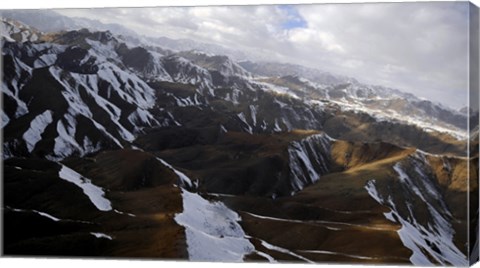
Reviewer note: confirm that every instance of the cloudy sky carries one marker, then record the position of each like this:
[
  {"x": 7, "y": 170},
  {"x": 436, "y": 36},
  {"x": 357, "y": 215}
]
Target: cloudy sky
[{"x": 416, "y": 47}]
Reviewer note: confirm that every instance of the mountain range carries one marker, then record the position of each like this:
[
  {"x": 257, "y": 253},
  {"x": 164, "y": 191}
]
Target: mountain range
[{"x": 117, "y": 145}]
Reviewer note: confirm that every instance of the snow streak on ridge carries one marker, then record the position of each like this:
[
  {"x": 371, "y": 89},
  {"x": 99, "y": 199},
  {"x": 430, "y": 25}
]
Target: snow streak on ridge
[
  {"x": 37, "y": 127},
  {"x": 308, "y": 160},
  {"x": 429, "y": 241}
]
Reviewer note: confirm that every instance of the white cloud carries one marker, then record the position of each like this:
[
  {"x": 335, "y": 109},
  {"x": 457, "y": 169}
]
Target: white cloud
[
  {"x": 307, "y": 36},
  {"x": 417, "y": 47}
]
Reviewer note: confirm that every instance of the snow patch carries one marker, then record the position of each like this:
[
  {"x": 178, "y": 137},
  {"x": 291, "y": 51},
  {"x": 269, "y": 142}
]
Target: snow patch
[
  {"x": 223, "y": 129},
  {"x": 46, "y": 215},
  {"x": 277, "y": 127},
  {"x": 141, "y": 117},
  {"x": 184, "y": 102},
  {"x": 93, "y": 192},
  {"x": 184, "y": 179},
  {"x": 4, "y": 118},
  {"x": 266, "y": 256},
  {"x": 37, "y": 127},
  {"x": 339, "y": 254},
  {"x": 125, "y": 213},
  {"x": 253, "y": 113},
  {"x": 308, "y": 160},
  {"x": 101, "y": 235},
  {"x": 242, "y": 117},
  {"x": 45, "y": 60},
  {"x": 284, "y": 251},
  {"x": 212, "y": 230},
  {"x": 65, "y": 144}
]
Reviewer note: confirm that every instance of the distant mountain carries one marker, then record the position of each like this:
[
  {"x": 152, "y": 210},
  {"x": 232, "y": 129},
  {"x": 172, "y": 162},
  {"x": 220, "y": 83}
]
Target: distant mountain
[
  {"x": 222, "y": 64},
  {"x": 284, "y": 69},
  {"x": 51, "y": 21},
  {"x": 15, "y": 31},
  {"x": 188, "y": 44},
  {"x": 380, "y": 102},
  {"x": 43, "y": 20}
]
